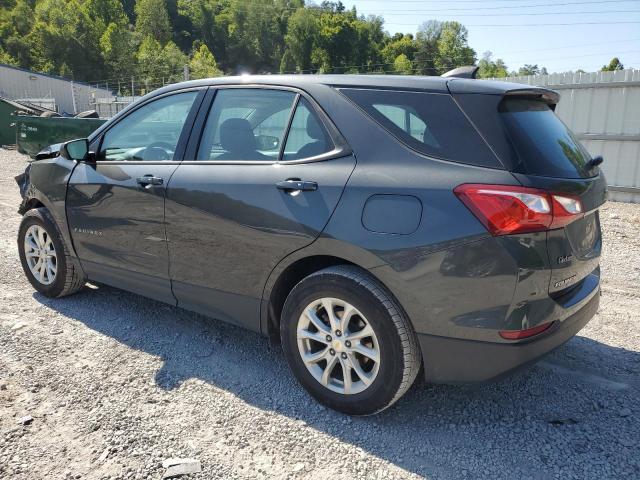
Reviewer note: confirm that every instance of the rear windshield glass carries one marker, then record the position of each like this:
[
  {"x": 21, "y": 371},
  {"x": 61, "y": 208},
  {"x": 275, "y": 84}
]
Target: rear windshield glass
[
  {"x": 430, "y": 123},
  {"x": 544, "y": 145}
]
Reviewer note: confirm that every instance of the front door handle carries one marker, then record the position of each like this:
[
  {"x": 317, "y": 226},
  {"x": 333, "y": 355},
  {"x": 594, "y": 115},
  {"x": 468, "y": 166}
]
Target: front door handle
[
  {"x": 149, "y": 180},
  {"x": 295, "y": 184}
]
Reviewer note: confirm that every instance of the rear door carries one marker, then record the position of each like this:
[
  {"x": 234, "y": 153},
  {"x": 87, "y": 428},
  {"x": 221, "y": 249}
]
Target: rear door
[
  {"x": 266, "y": 174},
  {"x": 115, "y": 205}
]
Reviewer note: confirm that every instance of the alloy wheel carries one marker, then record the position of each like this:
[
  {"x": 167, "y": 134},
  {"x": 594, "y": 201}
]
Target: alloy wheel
[
  {"x": 40, "y": 254},
  {"x": 338, "y": 346}
]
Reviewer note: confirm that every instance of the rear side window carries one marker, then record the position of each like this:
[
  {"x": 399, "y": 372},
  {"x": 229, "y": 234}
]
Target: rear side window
[
  {"x": 430, "y": 123},
  {"x": 246, "y": 124},
  {"x": 307, "y": 137},
  {"x": 544, "y": 145}
]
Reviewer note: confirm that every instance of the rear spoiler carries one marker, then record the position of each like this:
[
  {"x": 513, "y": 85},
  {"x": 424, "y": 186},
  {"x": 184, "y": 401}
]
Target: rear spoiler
[{"x": 549, "y": 96}]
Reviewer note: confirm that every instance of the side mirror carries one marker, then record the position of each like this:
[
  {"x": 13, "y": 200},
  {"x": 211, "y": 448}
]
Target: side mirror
[{"x": 75, "y": 149}]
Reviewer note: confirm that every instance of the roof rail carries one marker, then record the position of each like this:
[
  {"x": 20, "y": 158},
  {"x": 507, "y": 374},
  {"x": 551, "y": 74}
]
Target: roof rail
[{"x": 462, "y": 72}]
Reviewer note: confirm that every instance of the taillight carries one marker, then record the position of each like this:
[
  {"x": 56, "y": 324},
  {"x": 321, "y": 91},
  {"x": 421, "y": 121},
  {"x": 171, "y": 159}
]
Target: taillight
[{"x": 506, "y": 209}]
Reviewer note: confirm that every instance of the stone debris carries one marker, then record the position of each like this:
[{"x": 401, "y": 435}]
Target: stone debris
[{"x": 180, "y": 466}]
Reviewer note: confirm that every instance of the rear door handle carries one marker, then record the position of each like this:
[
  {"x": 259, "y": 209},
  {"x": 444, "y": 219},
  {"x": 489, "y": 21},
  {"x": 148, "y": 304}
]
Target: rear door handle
[
  {"x": 295, "y": 184},
  {"x": 149, "y": 180}
]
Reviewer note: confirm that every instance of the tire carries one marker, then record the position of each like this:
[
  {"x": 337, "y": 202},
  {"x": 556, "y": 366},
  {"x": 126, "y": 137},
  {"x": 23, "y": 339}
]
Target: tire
[
  {"x": 393, "y": 343},
  {"x": 68, "y": 277}
]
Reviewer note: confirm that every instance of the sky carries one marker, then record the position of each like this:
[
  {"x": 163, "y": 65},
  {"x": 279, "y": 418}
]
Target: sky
[{"x": 588, "y": 43}]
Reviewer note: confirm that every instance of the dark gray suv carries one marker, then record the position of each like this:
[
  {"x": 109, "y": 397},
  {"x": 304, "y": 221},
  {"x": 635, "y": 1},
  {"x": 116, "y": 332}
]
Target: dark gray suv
[{"x": 372, "y": 224}]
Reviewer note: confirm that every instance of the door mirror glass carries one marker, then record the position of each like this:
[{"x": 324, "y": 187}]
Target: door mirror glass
[
  {"x": 75, "y": 149},
  {"x": 267, "y": 142}
]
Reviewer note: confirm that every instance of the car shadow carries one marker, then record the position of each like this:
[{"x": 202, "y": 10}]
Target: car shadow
[{"x": 570, "y": 406}]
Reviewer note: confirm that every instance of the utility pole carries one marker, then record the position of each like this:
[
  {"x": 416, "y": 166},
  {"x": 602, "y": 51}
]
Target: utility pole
[
  {"x": 185, "y": 72},
  {"x": 133, "y": 89}
]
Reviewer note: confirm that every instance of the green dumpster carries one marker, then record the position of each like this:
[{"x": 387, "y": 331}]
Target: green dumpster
[
  {"x": 35, "y": 133},
  {"x": 8, "y": 110}
]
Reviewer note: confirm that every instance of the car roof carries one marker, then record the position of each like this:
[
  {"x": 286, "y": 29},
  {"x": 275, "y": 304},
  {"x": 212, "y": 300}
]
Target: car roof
[{"x": 406, "y": 82}]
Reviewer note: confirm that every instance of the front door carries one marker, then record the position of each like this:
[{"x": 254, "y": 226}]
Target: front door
[
  {"x": 115, "y": 205},
  {"x": 266, "y": 179}
]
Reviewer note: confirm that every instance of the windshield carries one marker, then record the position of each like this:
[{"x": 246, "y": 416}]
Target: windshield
[{"x": 544, "y": 145}]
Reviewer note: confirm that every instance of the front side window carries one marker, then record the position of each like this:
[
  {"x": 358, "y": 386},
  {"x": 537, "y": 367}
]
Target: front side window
[
  {"x": 150, "y": 132},
  {"x": 430, "y": 123},
  {"x": 307, "y": 137},
  {"x": 246, "y": 124}
]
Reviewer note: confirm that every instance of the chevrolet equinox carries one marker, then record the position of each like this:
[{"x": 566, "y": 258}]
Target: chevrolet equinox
[{"x": 377, "y": 226}]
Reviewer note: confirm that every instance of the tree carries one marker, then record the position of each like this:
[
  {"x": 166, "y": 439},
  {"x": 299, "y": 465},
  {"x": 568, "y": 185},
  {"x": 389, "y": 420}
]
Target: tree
[
  {"x": 398, "y": 45},
  {"x": 529, "y": 70},
  {"x": 6, "y": 58},
  {"x": 118, "y": 47},
  {"x": 453, "y": 48},
  {"x": 152, "y": 20},
  {"x": 150, "y": 61},
  {"x": 203, "y": 64},
  {"x": 427, "y": 47},
  {"x": 102, "y": 13},
  {"x": 491, "y": 69},
  {"x": 442, "y": 46},
  {"x": 287, "y": 64},
  {"x": 402, "y": 65},
  {"x": 614, "y": 65},
  {"x": 301, "y": 35},
  {"x": 173, "y": 61},
  {"x": 63, "y": 34}
]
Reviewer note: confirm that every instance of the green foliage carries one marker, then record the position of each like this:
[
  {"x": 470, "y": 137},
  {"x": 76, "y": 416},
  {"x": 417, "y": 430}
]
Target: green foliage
[
  {"x": 152, "y": 20},
  {"x": 402, "y": 65},
  {"x": 63, "y": 34},
  {"x": 427, "y": 50},
  {"x": 613, "y": 65},
  {"x": 490, "y": 68},
  {"x": 152, "y": 40},
  {"x": 203, "y": 64},
  {"x": 399, "y": 45},
  {"x": 287, "y": 65},
  {"x": 453, "y": 47},
  {"x": 159, "y": 65},
  {"x": 529, "y": 70},
  {"x": 302, "y": 33},
  {"x": 118, "y": 47},
  {"x": 6, "y": 58}
]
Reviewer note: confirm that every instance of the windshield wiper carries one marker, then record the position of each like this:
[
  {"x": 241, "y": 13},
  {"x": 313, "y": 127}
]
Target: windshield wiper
[{"x": 594, "y": 162}]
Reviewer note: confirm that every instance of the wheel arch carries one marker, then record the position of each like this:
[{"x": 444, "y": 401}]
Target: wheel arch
[
  {"x": 285, "y": 277},
  {"x": 30, "y": 204},
  {"x": 284, "y": 282}
]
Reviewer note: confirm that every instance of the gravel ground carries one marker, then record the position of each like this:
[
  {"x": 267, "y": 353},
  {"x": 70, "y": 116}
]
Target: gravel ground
[{"x": 116, "y": 383}]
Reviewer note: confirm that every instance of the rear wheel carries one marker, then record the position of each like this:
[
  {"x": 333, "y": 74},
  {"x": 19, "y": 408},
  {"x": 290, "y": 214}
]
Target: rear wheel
[
  {"x": 348, "y": 342},
  {"x": 44, "y": 256}
]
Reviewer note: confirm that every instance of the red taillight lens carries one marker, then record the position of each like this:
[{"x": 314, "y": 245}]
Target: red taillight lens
[
  {"x": 520, "y": 334},
  {"x": 506, "y": 209}
]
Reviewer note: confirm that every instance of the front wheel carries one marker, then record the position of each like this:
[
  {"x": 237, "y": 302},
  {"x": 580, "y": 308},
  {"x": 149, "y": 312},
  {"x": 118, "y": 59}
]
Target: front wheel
[
  {"x": 348, "y": 342},
  {"x": 44, "y": 257}
]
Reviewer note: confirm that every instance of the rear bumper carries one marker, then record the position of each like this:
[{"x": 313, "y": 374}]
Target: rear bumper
[{"x": 450, "y": 360}]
